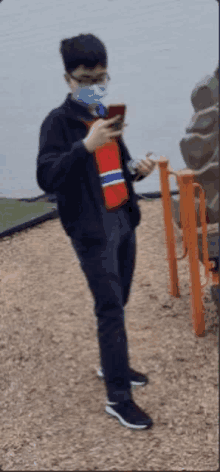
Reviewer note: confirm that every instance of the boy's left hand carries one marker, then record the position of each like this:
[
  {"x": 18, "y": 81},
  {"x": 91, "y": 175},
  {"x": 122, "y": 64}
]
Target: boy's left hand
[{"x": 146, "y": 167}]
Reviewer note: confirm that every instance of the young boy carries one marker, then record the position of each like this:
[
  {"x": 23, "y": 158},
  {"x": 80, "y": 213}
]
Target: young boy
[{"x": 97, "y": 208}]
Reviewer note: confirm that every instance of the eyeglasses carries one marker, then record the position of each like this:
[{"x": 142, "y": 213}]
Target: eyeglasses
[{"x": 91, "y": 81}]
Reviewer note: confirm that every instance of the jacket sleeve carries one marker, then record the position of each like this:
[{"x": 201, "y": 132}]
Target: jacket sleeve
[
  {"x": 129, "y": 162},
  {"x": 57, "y": 165}
]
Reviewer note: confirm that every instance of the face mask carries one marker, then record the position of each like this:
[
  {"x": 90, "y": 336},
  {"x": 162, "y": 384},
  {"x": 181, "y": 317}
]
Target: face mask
[{"x": 90, "y": 94}]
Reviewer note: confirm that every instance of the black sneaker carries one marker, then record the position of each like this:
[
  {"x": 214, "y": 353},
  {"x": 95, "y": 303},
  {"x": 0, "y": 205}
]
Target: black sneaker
[{"x": 129, "y": 414}]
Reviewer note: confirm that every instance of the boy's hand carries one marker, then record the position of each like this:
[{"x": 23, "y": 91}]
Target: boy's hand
[
  {"x": 146, "y": 167},
  {"x": 100, "y": 133}
]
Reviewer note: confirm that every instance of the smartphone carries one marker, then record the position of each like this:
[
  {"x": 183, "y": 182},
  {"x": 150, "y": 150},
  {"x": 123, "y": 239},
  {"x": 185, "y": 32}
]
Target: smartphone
[{"x": 114, "y": 110}]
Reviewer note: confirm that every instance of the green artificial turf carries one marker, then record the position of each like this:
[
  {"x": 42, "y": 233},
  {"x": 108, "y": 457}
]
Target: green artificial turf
[{"x": 14, "y": 212}]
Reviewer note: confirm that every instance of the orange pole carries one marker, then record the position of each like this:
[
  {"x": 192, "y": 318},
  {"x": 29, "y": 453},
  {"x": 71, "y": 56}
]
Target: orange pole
[
  {"x": 192, "y": 244},
  {"x": 183, "y": 208},
  {"x": 182, "y": 191},
  {"x": 206, "y": 262},
  {"x": 168, "y": 224}
]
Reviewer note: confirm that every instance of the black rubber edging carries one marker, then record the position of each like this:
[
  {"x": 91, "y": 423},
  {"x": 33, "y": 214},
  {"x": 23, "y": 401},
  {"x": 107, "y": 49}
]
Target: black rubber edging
[
  {"x": 28, "y": 224},
  {"x": 55, "y": 214},
  {"x": 155, "y": 194},
  {"x": 52, "y": 198}
]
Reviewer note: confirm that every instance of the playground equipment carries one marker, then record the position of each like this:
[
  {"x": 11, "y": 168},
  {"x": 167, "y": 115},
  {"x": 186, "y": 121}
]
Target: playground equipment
[{"x": 185, "y": 181}]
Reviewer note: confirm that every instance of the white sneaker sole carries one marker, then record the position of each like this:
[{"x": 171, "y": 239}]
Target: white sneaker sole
[{"x": 112, "y": 412}]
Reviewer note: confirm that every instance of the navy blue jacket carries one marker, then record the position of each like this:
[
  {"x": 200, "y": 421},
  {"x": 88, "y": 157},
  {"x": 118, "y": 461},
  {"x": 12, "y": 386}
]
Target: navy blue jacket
[{"x": 66, "y": 169}]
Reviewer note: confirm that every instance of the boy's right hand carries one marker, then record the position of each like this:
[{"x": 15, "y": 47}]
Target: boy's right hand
[{"x": 100, "y": 133}]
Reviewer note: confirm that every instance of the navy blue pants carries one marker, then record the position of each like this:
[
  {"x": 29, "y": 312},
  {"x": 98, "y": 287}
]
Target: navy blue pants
[{"x": 108, "y": 268}]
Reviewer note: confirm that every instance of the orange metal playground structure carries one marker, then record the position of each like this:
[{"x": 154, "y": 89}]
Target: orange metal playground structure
[{"x": 186, "y": 184}]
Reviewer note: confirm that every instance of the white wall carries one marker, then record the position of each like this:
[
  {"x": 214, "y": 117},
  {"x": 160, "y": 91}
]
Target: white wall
[{"x": 158, "y": 50}]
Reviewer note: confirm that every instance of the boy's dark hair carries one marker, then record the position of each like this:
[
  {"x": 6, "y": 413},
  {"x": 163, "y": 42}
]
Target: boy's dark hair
[{"x": 83, "y": 49}]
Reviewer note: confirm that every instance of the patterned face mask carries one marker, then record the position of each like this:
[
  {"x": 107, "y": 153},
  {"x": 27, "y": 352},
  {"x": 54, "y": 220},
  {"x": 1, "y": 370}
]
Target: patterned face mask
[{"x": 90, "y": 94}]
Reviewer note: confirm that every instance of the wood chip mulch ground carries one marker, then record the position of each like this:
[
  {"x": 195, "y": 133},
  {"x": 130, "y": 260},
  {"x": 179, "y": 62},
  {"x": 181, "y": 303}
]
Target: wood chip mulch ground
[{"x": 52, "y": 403}]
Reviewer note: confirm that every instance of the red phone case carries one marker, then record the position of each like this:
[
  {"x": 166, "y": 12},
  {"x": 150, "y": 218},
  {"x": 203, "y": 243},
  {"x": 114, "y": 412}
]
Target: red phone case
[{"x": 114, "y": 110}]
